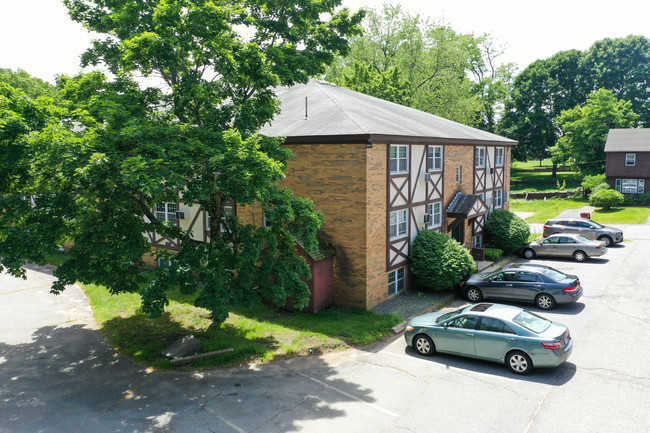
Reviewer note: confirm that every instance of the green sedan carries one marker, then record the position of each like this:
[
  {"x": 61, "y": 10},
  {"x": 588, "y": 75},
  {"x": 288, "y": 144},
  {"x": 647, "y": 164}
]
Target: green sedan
[{"x": 500, "y": 333}]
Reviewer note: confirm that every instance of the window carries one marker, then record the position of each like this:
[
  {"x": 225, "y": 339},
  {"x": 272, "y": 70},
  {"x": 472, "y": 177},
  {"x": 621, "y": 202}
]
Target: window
[
  {"x": 399, "y": 157},
  {"x": 481, "y": 195},
  {"x": 266, "y": 220},
  {"x": 498, "y": 198},
  {"x": 477, "y": 242},
  {"x": 498, "y": 157},
  {"x": 227, "y": 212},
  {"x": 630, "y": 159},
  {"x": 434, "y": 160},
  {"x": 528, "y": 277},
  {"x": 630, "y": 186},
  {"x": 458, "y": 174},
  {"x": 465, "y": 322},
  {"x": 398, "y": 224},
  {"x": 165, "y": 263},
  {"x": 396, "y": 281},
  {"x": 479, "y": 157},
  {"x": 494, "y": 325},
  {"x": 166, "y": 212},
  {"x": 435, "y": 210}
]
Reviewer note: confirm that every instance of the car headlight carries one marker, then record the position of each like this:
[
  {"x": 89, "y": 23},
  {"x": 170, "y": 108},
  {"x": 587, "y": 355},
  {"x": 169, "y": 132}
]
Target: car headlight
[{"x": 409, "y": 328}]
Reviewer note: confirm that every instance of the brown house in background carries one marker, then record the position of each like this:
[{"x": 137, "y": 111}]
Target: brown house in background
[{"x": 628, "y": 160}]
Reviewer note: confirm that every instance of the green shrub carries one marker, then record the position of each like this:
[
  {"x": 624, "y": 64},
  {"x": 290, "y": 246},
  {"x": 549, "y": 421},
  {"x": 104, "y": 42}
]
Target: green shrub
[
  {"x": 600, "y": 187},
  {"x": 591, "y": 182},
  {"x": 632, "y": 199},
  {"x": 606, "y": 198},
  {"x": 506, "y": 231},
  {"x": 439, "y": 262},
  {"x": 645, "y": 198},
  {"x": 492, "y": 254}
]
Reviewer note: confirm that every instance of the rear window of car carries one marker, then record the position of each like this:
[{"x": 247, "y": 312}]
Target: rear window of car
[
  {"x": 554, "y": 275},
  {"x": 532, "y": 322},
  {"x": 582, "y": 239}
]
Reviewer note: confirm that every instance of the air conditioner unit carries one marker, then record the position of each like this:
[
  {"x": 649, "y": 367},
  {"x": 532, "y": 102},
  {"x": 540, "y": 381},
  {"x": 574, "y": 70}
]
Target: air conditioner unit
[
  {"x": 491, "y": 170},
  {"x": 427, "y": 218},
  {"x": 426, "y": 177},
  {"x": 180, "y": 215}
]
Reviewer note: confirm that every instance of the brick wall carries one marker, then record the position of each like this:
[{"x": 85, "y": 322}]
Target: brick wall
[
  {"x": 334, "y": 177},
  {"x": 455, "y": 156},
  {"x": 376, "y": 176}
]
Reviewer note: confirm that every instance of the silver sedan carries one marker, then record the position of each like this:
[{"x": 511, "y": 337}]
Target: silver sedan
[{"x": 564, "y": 245}]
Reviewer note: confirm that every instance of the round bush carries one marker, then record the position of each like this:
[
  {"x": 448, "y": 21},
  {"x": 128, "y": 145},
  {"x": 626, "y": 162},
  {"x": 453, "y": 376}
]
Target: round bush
[
  {"x": 439, "y": 262},
  {"x": 600, "y": 187},
  {"x": 606, "y": 198},
  {"x": 506, "y": 231}
]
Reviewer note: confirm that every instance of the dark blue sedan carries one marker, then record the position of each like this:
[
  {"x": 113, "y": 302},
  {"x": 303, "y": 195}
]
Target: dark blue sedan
[{"x": 540, "y": 284}]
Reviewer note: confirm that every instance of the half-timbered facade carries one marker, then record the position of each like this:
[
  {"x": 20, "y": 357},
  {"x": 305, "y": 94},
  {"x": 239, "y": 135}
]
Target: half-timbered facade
[{"x": 381, "y": 173}]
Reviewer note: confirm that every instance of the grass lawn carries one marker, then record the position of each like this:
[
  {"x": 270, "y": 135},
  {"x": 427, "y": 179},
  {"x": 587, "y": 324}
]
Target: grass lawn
[
  {"x": 621, "y": 215},
  {"x": 257, "y": 334},
  {"x": 545, "y": 209}
]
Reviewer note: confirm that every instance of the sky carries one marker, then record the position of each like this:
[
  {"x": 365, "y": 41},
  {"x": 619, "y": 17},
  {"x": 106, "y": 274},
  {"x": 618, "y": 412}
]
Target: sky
[{"x": 39, "y": 37}]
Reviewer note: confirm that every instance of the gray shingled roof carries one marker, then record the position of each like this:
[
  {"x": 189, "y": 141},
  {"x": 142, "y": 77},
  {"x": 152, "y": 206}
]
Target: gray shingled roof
[
  {"x": 337, "y": 114},
  {"x": 461, "y": 204},
  {"x": 628, "y": 140}
]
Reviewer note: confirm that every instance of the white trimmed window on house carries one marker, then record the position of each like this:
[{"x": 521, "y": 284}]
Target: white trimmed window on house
[
  {"x": 630, "y": 159},
  {"x": 398, "y": 224},
  {"x": 396, "y": 281},
  {"x": 479, "y": 157},
  {"x": 266, "y": 221},
  {"x": 630, "y": 186},
  {"x": 399, "y": 158},
  {"x": 498, "y": 198},
  {"x": 165, "y": 263},
  {"x": 435, "y": 210},
  {"x": 166, "y": 212},
  {"x": 458, "y": 174},
  {"x": 434, "y": 158},
  {"x": 227, "y": 212},
  {"x": 477, "y": 242},
  {"x": 498, "y": 157}
]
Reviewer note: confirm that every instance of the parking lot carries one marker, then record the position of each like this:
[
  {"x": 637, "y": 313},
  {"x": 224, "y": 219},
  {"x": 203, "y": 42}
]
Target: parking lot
[{"x": 58, "y": 375}]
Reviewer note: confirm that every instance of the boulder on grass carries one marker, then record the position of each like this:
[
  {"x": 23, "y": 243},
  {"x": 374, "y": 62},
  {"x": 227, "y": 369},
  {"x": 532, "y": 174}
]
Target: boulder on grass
[{"x": 186, "y": 346}]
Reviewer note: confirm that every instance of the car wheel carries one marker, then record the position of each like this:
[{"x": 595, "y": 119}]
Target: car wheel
[
  {"x": 474, "y": 294},
  {"x": 519, "y": 362},
  {"x": 529, "y": 253},
  {"x": 579, "y": 256},
  {"x": 544, "y": 301},
  {"x": 606, "y": 240},
  {"x": 424, "y": 345}
]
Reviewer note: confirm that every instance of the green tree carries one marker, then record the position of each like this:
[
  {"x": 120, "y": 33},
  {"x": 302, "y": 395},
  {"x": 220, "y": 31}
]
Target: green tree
[
  {"x": 32, "y": 86},
  {"x": 192, "y": 142},
  {"x": 585, "y": 131},
  {"x": 506, "y": 231},
  {"x": 540, "y": 93},
  {"x": 412, "y": 61}
]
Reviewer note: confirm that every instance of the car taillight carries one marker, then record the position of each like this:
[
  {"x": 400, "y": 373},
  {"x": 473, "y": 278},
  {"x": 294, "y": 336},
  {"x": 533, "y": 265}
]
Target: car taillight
[
  {"x": 554, "y": 345},
  {"x": 600, "y": 246},
  {"x": 545, "y": 227},
  {"x": 572, "y": 289}
]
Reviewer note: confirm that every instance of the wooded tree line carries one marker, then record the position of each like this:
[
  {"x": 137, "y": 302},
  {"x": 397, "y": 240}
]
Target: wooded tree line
[{"x": 408, "y": 59}]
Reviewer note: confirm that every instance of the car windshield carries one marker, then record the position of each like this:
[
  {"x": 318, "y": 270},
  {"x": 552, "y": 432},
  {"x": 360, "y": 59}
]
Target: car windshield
[
  {"x": 582, "y": 239},
  {"x": 532, "y": 322},
  {"x": 449, "y": 315},
  {"x": 554, "y": 274}
]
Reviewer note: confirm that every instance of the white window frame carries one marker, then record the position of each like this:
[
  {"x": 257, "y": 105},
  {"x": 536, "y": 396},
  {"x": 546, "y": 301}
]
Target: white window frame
[
  {"x": 398, "y": 224},
  {"x": 477, "y": 242},
  {"x": 396, "y": 281},
  {"x": 266, "y": 222},
  {"x": 166, "y": 212},
  {"x": 630, "y": 186},
  {"x": 434, "y": 158},
  {"x": 399, "y": 158},
  {"x": 459, "y": 174},
  {"x": 499, "y": 153},
  {"x": 498, "y": 198},
  {"x": 630, "y": 159},
  {"x": 435, "y": 210},
  {"x": 479, "y": 157},
  {"x": 165, "y": 262}
]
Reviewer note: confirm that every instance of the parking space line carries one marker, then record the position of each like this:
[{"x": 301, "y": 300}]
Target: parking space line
[{"x": 333, "y": 388}]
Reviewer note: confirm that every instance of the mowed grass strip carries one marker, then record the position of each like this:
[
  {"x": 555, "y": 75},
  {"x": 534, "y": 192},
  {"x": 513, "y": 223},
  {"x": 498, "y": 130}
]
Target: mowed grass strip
[
  {"x": 257, "y": 333},
  {"x": 551, "y": 208}
]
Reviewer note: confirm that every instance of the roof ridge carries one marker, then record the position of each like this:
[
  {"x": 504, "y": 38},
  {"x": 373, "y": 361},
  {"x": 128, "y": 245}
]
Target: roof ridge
[{"x": 321, "y": 87}]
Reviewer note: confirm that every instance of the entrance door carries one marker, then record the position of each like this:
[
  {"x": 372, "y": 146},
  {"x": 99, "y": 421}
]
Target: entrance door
[{"x": 458, "y": 232}]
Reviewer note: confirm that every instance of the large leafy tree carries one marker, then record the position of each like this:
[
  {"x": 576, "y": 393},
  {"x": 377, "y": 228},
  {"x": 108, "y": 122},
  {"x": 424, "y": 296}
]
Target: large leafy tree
[
  {"x": 540, "y": 93},
  {"x": 124, "y": 147},
  {"x": 32, "y": 86},
  {"x": 412, "y": 61},
  {"x": 585, "y": 129}
]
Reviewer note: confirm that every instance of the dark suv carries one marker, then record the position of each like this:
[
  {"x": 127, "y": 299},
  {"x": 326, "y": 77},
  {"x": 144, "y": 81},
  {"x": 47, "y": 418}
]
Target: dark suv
[{"x": 584, "y": 227}]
